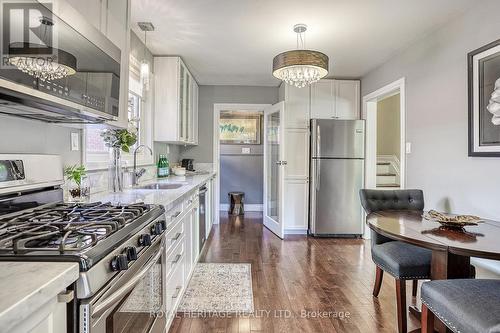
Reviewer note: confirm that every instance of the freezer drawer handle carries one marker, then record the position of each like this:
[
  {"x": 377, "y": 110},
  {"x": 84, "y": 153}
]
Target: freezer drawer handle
[{"x": 177, "y": 235}]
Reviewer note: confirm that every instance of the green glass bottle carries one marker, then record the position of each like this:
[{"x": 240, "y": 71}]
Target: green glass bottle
[
  {"x": 160, "y": 169},
  {"x": 166, "y": 165}
]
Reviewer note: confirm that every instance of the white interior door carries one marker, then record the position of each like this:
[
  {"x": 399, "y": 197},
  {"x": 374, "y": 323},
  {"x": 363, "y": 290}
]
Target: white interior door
[{"x": 274, "y": 163}]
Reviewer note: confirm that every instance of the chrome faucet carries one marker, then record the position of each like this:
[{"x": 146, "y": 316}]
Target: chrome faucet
[{"x": 136, "y": 174}]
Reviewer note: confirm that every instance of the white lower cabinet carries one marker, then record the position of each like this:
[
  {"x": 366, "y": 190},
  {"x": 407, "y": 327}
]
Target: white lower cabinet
[
  {"x": 175, "y": 285},
  {"x": 296, "y": 201},
  {"x": 181, "y": 244},
  {"x": 50, "y": 318}
]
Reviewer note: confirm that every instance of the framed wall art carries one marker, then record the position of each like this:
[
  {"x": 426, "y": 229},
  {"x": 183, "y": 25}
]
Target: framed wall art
[
  {"x": 484, "y": 100},
  {"x": 240, "y": 128}
]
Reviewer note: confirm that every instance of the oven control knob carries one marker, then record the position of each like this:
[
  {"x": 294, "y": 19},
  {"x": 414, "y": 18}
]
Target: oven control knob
[
  {"x": 163, "y": 225},
  {"x": 157, "y": 229},
  {"x": 131, "y": 253},
  {"x": 119, "y": 263},
  {"x": 145, "y": 240}
]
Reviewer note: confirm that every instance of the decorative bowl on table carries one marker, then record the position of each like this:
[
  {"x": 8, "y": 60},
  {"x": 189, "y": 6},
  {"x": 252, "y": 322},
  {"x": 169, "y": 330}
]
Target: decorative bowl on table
[{"x": 451, "y": 220}]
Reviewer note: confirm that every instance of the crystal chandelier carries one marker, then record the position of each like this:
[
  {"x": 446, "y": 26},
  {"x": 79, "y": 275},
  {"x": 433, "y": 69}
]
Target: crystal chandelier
[
  {"x": 43, "y": 67},
  {"x": 300, "y": 67},
  {"x": 40, "y": 61}
]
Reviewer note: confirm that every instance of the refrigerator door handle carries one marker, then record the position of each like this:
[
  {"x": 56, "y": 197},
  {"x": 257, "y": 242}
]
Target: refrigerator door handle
[
  {"x": 318, "y": 173},
  {"x": 318, "y": 157},
  {"x": 318, "y": 141}
]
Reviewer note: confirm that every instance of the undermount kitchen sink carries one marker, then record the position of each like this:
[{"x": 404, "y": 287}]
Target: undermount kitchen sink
[{"x": 160, "y": 186}]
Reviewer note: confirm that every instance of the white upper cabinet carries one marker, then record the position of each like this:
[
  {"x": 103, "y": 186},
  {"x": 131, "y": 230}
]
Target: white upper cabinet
[
  {"x": 322, "y": 100},
  {"x": 296, "y": 105},
  {"x": 176, "y": 102},
  {"x": 194, "y": 97},
  {"x": 335, "y": 99},
  {"x": 347, "y": 99}
]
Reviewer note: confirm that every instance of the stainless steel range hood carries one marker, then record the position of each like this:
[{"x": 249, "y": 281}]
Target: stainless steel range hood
[
  {"x": 32, "y": 104},
  {"x": 89, "y": 96}
]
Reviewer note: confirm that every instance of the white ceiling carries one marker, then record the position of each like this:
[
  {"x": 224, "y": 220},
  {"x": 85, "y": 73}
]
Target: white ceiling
[{"x": 233, "y": 42}]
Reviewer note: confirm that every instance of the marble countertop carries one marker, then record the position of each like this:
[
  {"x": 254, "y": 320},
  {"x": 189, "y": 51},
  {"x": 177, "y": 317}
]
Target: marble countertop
[
  {"x": 27, "y": 286},
  {"x": 167, "y": 198}
]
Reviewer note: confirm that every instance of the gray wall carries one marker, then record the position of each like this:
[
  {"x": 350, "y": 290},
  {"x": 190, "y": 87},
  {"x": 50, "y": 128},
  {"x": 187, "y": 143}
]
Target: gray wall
[
  {"x": 210, "y": 95},
  {"x": 436, "y": 98},
  {"x": 242, "y": 172},
  {"x": 388, "y": 127},
  {"x": 19, "y": 135}
]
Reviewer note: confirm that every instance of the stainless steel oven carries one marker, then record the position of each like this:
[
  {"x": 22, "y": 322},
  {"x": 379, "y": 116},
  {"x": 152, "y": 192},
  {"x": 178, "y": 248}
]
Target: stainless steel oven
[{"x": 133, "y": 301}]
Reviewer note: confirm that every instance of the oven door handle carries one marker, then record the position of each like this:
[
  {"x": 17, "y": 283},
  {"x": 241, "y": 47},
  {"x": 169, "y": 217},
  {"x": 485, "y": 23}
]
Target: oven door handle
[{"x": 100, "y": 308}]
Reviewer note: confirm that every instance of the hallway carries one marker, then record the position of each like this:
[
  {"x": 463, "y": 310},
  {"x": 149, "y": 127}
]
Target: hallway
[{"x": 300, "y": 284}]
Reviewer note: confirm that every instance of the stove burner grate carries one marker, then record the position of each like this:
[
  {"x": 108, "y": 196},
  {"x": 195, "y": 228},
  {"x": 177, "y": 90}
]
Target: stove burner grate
[{"x": 65, "y": 228}]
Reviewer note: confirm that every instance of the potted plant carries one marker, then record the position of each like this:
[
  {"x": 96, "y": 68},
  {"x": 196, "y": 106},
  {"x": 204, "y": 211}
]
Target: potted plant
[
  {"x": 118, "y": 140},
  {"x": 78, "y": 187}
]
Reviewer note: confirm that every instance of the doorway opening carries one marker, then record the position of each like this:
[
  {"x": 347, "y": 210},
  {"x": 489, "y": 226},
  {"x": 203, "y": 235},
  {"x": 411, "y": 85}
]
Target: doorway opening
[
  {"x": 238, "y": 155},
  {"x": 384, "y": 112}
]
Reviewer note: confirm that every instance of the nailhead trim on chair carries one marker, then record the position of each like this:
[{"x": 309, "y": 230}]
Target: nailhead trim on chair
[
  {"x": 400, "y": 277},
  {"x": 444, "y": 320}
]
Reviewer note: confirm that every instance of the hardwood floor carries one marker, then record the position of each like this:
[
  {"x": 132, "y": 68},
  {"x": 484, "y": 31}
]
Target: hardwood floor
[{"x": 332, "y": 278}]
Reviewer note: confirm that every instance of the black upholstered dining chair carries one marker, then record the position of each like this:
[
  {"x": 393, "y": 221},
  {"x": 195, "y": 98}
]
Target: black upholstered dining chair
[
  {"x": 402, "y": 260},
  {"x": 469, "y": 305}
]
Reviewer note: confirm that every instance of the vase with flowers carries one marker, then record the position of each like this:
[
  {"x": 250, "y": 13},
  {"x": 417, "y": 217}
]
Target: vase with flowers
[{"x": 118, "y": 140}]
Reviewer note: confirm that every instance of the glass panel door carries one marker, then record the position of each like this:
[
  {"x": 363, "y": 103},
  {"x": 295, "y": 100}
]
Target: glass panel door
[{"x": 273, "y": 168}]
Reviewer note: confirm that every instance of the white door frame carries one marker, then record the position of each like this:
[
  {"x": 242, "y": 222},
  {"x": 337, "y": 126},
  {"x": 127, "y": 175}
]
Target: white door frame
[
  {"x": 369, "y": 114},
  {"x": 218, "y": 107}
]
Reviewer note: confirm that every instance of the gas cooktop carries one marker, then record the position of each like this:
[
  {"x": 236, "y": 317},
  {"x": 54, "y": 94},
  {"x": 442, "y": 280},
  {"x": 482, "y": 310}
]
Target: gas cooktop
[{"x": 80, "y": 232}]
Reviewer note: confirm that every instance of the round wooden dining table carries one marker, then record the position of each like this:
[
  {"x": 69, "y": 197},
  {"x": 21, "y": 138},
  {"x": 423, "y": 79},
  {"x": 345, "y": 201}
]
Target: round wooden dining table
[{"x": 451, "y": 248}]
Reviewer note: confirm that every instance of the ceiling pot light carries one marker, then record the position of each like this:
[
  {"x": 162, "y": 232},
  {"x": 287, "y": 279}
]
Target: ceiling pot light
[
  {"x": 300, "y": 67},
  {"x": 41, "y": 61}
]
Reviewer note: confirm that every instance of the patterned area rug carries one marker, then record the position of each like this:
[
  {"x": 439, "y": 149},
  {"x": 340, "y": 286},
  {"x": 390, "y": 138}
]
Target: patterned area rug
[{"x": 219, "y": 288}]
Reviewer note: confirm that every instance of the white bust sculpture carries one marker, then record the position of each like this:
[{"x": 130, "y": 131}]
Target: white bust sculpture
[{"x": 494, "y": 105}]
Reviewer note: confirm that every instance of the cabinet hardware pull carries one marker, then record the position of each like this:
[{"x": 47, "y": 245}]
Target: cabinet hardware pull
[
  {"x": 176, "y": 259},
  {"x": 175, "y": 215},
  {"x": 66, "y": 296},
  {"x": 177, "y": 235},
  {"x": 177, "y": 292}
]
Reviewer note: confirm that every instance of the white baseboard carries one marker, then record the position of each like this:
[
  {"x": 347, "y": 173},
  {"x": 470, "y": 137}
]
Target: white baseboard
[
  {"x": 247, "y": 207},
  {"x": 296, "y": 231}
]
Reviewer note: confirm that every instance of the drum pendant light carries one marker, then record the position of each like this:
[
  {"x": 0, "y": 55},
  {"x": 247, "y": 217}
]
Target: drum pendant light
[{"x": 300, "y": 67}]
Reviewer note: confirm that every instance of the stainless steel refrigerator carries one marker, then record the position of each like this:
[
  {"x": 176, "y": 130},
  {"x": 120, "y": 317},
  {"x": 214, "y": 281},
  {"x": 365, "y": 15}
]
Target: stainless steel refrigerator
[{"x": 336, "y": 174}]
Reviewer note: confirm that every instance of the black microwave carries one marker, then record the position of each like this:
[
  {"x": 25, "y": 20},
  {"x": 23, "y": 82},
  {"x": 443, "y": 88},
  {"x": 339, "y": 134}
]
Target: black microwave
[{"x": 88, "y": 92}]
